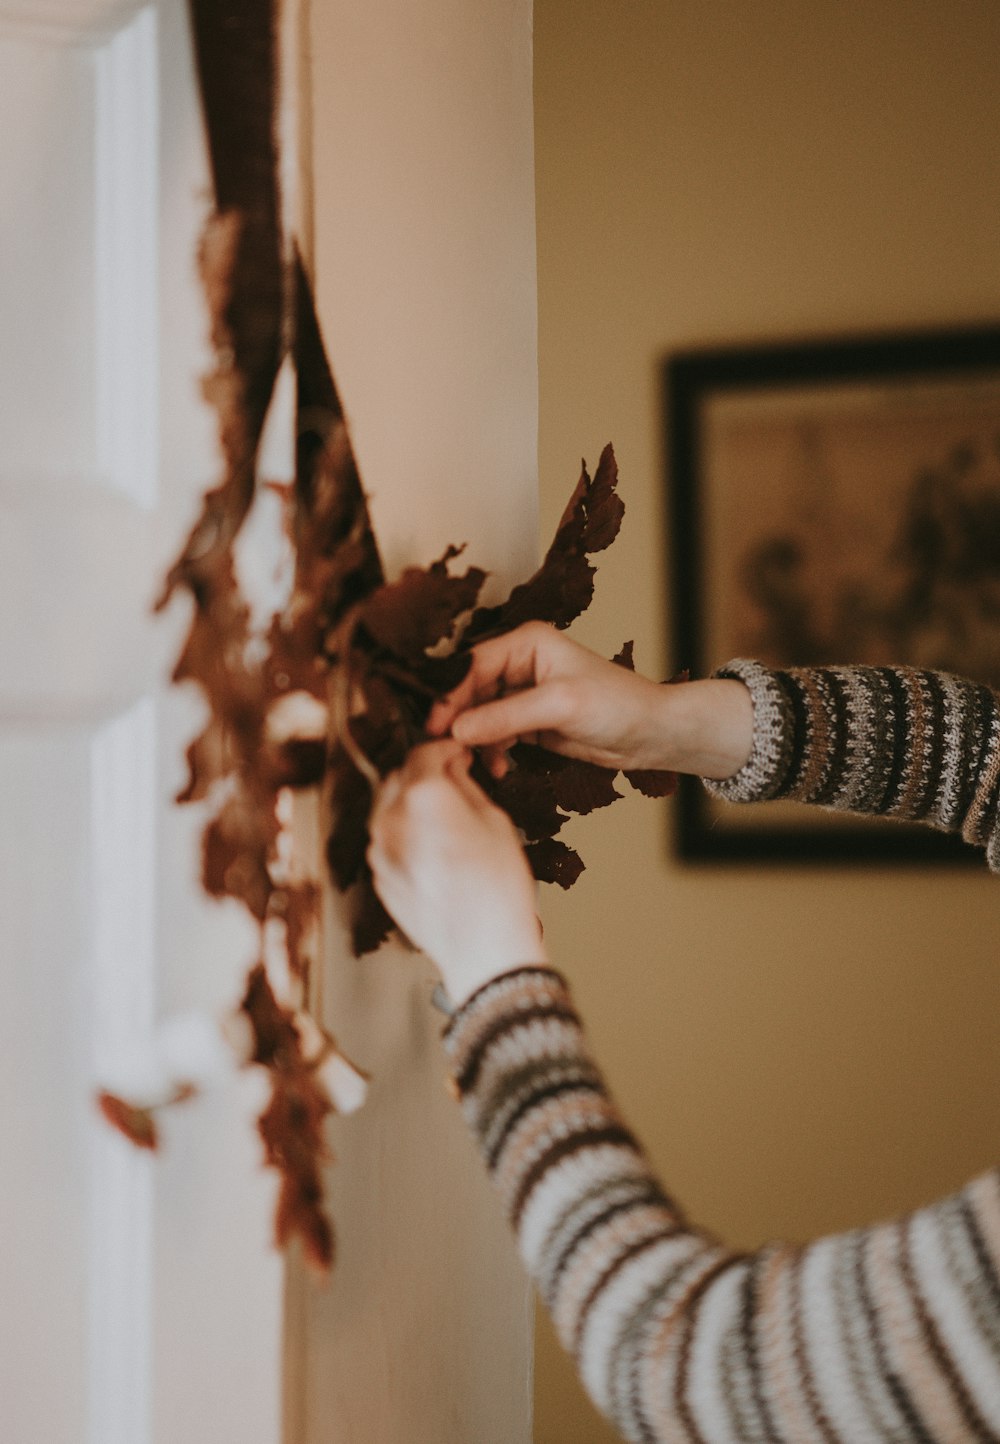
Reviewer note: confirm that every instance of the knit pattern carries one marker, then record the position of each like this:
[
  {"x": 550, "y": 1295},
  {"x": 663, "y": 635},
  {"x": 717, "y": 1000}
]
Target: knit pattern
[
  {"x": 886, "y": 1333},
  {"x": 889, "y": 741}
]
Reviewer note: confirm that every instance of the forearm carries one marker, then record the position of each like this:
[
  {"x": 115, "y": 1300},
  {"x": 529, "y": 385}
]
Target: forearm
[
  {"x": 888, "y": 741},
  {"x": 890, "y": 1333}
]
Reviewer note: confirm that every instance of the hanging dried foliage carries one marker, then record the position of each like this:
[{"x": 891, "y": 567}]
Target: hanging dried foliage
[{"x": 336, "y": 690}]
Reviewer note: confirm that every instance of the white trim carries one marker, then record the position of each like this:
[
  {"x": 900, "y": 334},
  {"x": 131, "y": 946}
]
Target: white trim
[
  {"x": 120, "y": 1343},
  {"x": 126, "y": 218},
  {"x": 92, "y": 23}
]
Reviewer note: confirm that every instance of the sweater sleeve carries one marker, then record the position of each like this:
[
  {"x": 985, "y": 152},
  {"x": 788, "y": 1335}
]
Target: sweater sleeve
[
  {"x": 886, "y": 1333},
  {"x": 888, "y": 741}
]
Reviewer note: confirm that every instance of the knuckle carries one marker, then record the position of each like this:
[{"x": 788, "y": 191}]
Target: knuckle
[{"x": 536, "y": 630}]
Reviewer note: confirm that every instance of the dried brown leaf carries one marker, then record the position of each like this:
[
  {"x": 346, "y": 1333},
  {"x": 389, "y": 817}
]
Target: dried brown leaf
[
  {"x": 292, "y": 1124},
  {"x": 371, "y": 925},
  {"x": 526, "y": 794},
  {"x": 299, "y": 762},
  {"x": 554, "y": 861},
  {"x": 413, "y": 614},
  {"x": 136, "y": 1123},
  {"x": 583, "y": 787},
  {"x": 351, "y": 801},
  {"x": 292, "y": 1130},
  {"x": 237, "y": 845},
  {"x": 563, "y": 586},
  {"x": 299, "y": 907},
  {"x": 651, "y": 782}
]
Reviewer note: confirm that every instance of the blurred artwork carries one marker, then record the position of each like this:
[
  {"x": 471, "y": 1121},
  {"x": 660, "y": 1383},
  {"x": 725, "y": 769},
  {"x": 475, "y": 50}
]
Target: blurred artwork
[
  {"x": 833, "y": 503},
  {"x": 862, "y": 524}
]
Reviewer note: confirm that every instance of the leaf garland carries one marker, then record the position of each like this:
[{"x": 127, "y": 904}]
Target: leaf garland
[{"x": 337, "y": 689}]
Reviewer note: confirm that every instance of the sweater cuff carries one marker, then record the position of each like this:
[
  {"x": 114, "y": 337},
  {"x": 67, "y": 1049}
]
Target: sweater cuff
[
  {"x": 527, "y": 995},
  {"x": 765, "y": 769}
]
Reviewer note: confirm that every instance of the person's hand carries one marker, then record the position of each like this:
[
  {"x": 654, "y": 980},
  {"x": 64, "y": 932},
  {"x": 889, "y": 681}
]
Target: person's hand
[
  {"x": 536, "y": 685},
  {"x": 450, "y": 870}
]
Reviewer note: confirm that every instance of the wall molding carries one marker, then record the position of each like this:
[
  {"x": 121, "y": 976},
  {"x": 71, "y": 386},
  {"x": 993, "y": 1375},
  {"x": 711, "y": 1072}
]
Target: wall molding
[
  {"x": 89, "y": 22},
  {"x": 127, "y": 223},
  {"x": 123, "y": 962}
]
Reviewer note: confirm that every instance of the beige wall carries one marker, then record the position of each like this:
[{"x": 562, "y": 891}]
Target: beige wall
[
  {"x": 800, "y": 1051},
  {"x": 425, "y": 264}
]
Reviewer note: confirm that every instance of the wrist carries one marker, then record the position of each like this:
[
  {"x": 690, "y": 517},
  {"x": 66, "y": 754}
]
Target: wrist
[
  {"x": 465, "y": 976},
  {"x": 705, "y": 727}
]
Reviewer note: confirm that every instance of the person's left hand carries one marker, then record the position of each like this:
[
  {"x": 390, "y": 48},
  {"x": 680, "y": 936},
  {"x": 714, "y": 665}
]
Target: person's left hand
[{"x": 449, "y": 867}]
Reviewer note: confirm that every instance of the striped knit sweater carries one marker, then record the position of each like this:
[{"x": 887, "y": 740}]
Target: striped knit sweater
[
  {"x": 886, "y": 1333},
  {"x": 918, "y": 746}
]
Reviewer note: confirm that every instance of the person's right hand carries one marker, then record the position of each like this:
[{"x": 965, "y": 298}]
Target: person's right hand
[{"x": 536, "y": 685}]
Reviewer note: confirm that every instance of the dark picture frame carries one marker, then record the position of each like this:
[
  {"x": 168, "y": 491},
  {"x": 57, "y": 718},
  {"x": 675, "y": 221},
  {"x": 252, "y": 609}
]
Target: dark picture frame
[{"x": 833, "y": 501}]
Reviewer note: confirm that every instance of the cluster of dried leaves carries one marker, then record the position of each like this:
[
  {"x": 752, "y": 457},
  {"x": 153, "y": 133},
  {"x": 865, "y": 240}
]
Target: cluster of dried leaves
[{"x": 337, "y": 690}]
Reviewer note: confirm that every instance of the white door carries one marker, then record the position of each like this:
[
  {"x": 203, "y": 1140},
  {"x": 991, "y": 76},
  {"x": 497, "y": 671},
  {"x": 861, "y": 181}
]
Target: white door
[{"x": 139, "y": 1300}]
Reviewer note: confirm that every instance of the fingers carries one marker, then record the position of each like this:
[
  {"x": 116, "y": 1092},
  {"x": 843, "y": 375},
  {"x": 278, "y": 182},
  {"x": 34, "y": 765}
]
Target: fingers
[
  {"x": 503, "y": 662},
  {"x": 446, "y": 760},
  {"x": 496, "y": 761},
  {"x": 431, "y": 759},
  {"x": 457, "y": 770},
  {"x": 519, "y": 716}
]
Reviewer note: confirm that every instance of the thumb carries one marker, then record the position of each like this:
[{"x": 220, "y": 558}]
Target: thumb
[{"x": 457, "y": 769}]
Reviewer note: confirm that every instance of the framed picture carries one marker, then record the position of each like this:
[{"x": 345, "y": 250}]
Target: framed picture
[{"x": 833, "y": 503}]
